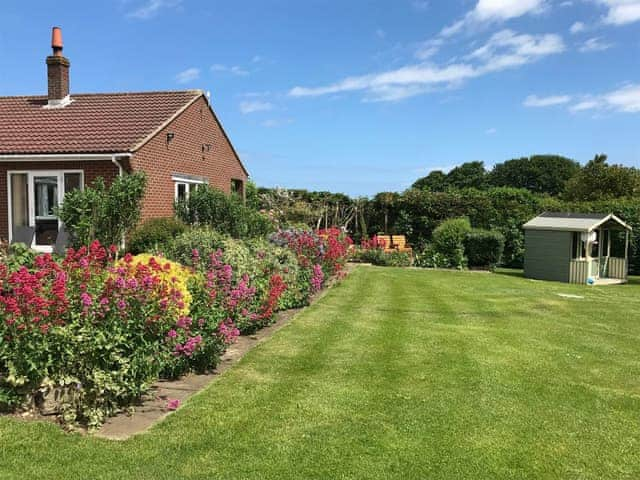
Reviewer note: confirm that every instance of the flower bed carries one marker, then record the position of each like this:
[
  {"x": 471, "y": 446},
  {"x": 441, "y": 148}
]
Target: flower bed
[{"x": 95, "y": 332}]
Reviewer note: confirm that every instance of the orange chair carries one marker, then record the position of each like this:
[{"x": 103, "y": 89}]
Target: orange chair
[
  {"x": 388, "y": 244},
  {"x": 400, "y": 243}
]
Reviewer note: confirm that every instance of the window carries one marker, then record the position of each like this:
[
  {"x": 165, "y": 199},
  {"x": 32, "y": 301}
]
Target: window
[
  {"x": 182, "y": 190},
  {"x": 578, "y": 247},
  {"x": 237, "y": 187},
  {"x": 185, "y": 185},
  {"x": 34, "y": 196}
]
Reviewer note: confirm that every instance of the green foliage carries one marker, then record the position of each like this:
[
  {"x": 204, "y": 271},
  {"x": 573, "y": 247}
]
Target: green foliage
[
  {"x": 152, "y": 235},
  {"x": 468, "y": 175},
  {"x": 600, "y": 181},
  {"x": 484, "y": 248},
  {"x": 429, "y": 257},
  {"x": 545, "y": 174},
  {"x": 204, "y": 240},
  {"x": 449, "y": 236},
  {"x": 19, "y": 255},
  {"x": 377, "y": 256},
  {"x": 103, "y": 213},
  {"x": 436, "y": 181},
  {"x": 208, "y": 206}
]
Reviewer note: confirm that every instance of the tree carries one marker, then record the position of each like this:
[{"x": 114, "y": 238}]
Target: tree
[
  {"x": 101, "y": 212},
  {"x": 598, "y": 180},
  {"x": 436, "y": 181},
  {"x": 539, "y": 173},
  {"x": 468, "y": 175}
]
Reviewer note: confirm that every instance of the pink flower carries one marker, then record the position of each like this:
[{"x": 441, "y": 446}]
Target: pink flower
[
  {"x": 86, "y": 299},
  {"x": 172, "y": 333},
  {"x": 173, "y": 405}
]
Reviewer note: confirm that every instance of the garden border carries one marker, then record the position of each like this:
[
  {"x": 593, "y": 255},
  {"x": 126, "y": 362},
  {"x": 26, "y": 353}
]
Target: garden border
[{"x": 153, "y": 407}]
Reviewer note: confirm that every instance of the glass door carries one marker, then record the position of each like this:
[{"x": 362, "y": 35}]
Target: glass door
[{"x": 45, "y": 190}]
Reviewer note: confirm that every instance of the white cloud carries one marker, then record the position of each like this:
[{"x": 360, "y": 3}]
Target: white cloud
[
  {"x": 595, "y": 44},
  {"x": 188, "y": 75},
  {"x": 490, "y": 131},
  {"x": 152, "y": 7},
  {"x": 621, "y": 12},
  {"x": 234, "y": 70},
  {"x": 624, "y": 100},
  {"x": 255, "y": 106},
  {"x": 577, "y": 27},
  {"x": 428, "y": 48},
  {"x": 534, "y": 101},
  {"x": 505, "y": 49},
  {"x": 506, "y": 9},
  {"x": 495, "y": 11}
]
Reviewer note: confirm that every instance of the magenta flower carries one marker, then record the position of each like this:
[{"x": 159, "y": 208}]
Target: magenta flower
[{"x": 86, "y": 299}]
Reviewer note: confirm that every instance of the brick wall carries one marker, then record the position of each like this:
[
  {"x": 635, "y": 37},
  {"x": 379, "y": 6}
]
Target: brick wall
[
  {"x": 92, "y": 169},
  {"x": 195, "y": 127},
  {"x": 58, "y": 77}
]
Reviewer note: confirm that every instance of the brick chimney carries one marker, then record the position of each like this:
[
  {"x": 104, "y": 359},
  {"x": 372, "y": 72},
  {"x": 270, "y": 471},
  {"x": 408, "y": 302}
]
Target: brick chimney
[{"x": 58, "y": 72}]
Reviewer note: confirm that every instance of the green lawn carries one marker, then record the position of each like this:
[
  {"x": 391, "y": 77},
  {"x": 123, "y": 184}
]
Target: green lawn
[{"x": 402, "y": 374}]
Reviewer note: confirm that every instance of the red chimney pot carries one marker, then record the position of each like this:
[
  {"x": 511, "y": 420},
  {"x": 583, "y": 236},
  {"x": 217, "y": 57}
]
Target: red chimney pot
[{"x": 56, "y": 41}]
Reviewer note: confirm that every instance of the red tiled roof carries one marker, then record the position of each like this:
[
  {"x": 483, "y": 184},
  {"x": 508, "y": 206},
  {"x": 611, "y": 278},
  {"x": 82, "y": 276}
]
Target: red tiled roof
[{"x": 92, "y": 123}]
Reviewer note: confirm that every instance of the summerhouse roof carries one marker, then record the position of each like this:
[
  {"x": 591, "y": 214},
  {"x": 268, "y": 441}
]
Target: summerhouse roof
[{"x": 574, "y": 222}]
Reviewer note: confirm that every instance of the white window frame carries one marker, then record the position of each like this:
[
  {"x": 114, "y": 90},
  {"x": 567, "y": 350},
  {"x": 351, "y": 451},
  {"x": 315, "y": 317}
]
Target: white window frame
[
  {"x": 188, "y": 184},
  {"x": 31, "y": 207}
]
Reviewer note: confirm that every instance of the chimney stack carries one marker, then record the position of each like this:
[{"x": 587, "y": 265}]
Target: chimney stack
[{"x": 58, "y": 72}]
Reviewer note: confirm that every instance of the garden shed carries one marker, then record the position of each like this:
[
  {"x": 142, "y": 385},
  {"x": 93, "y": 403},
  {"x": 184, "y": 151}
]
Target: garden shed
[{"x": 577, "y": 248}]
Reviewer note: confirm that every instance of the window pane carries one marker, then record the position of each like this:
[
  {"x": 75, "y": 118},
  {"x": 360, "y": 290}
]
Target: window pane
[
  {"x": 19, "y": 204},
  {"x": 46, "y": 192},
  {"x": 72, "y": 182},
  {"x": 181, "y": 191},
  {"x": 236, "y": 186},
  {"x": 46, "y": 200}
]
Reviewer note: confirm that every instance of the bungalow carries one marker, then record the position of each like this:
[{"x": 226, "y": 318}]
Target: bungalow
[{"x": 52, "y": 144}]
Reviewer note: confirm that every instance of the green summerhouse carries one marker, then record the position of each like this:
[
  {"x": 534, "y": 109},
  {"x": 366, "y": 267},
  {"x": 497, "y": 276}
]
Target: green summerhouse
[{"x": 577, "y": 248}]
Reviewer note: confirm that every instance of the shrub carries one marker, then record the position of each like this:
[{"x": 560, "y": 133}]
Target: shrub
[
  {"x": 103, "y": 213},
  {"x": 204, "y": 241},
  {"x": 379, "y": 257},
  {"x": 428, "y": 257},
  {"x": 154, "y": 234},
  {"x": 484, "y": 248},
  {"x": 448, "y": 240},
  {"x": 208, "y": 206}
]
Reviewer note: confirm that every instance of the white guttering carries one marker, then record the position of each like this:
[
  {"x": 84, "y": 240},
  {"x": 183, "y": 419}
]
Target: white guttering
[
  {"x": 115, "y": 161},
  {"x": 58, "y": 157}
]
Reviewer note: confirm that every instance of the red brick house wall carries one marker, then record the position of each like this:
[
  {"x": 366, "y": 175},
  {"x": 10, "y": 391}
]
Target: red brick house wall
[
  {"x": 194, "y": 128},
  {"x": 92, "y": 169}
]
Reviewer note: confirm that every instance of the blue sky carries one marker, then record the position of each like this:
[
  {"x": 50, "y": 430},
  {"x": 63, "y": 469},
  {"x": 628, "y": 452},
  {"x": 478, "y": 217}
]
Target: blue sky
[{"x": 360, "y": 96}]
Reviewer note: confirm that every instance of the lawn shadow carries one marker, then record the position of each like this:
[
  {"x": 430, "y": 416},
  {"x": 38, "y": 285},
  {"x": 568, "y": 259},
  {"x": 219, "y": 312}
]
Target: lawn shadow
[{"x": 510, "y": 272}]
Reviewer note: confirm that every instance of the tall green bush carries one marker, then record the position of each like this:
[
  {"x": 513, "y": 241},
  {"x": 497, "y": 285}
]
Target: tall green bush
[
  {"x": 208, "y": 206},
  {"x": 101, "y": 212},
  {"x": 449, "y": 237},
  {"x": 154, "y": 234},
  {"x": 484, "y": 248}
]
